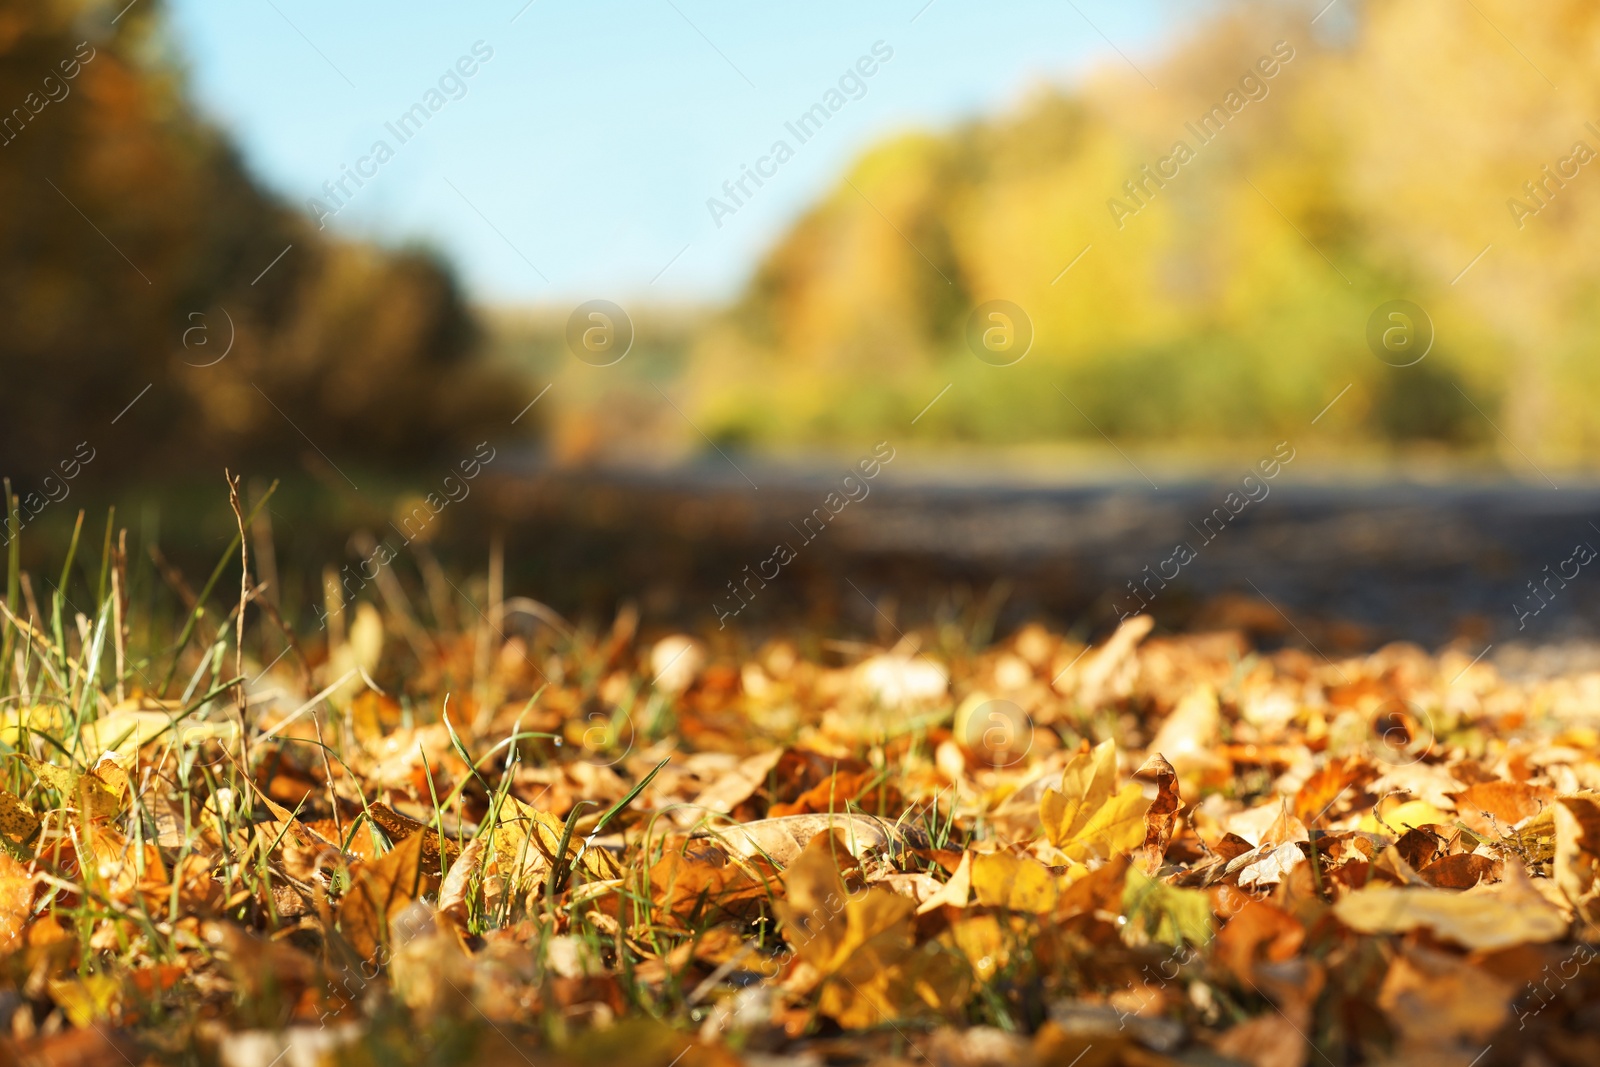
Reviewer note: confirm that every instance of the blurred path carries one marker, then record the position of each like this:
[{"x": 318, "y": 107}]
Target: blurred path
[{"x": 1338, "y": 566}]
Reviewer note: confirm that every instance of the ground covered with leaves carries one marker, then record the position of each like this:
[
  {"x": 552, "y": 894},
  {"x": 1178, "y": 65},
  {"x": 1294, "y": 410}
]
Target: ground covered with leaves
[{"x": 496, "y": 838}]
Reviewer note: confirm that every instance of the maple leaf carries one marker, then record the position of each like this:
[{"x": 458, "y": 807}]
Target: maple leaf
[
  {"x": 1090, "y": 818},
  {"x": 862, "y": 945},
  {"x": 1002, "y": 880}
]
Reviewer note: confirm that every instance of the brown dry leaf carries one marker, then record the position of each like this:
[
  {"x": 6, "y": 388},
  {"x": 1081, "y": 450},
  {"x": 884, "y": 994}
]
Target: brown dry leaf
[
  {"x": 1489, "y": 809},
  {"x": 1577, "y": 855},
  {"x": 399, "y": 827},
  {"x": 692, "y": 888},
  {"x": 1162, "y": 814},
  {"x": 1089, "y": 818},
  {"x": 734, "y": 787},
  {"x": 1316, "y": 796},
  {"x": 1269, "y": 1040},
  {"x": 1461, "y": 871},
  {"x": 1258, "y": 929},
  {"x": 1002, "y": 880},
  {"x": 1508, "y": 913},
  {"x": 117, "y": 866},
  {"x": 379, "y": 890},
  {"x": 1099, "y": 891},
  {"x": 1430, "y": 995},
  {"x": 455, "y": 892},
  {"x": 782, "y": 839},
  {"x": 199, "y": 892},
  {"x": 304, "y": 851},
  {"x": 842, "y": 790},
  {"x": 259, "y": 967}
]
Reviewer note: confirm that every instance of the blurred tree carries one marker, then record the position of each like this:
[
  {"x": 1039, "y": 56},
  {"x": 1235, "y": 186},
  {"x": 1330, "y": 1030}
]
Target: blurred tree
[
  {"x": 1375, "y": 163},
  {"x": 128, "y": 257}
]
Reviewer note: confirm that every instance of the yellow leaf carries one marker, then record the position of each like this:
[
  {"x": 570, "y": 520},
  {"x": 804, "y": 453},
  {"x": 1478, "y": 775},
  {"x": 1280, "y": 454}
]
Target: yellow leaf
[
  {"x": 1089, "y": 818},
  {"x": 1404, "y": 816},
  {"x": 526, "y": 841},
  {"x": 985, "y": 943},
  {"x": 1117, "y": 827},
  {"x": 956, "y": 892},
  {"x": 863, "y": 946},
  {"x": 1162, "y": 913},
  {"x": 815, "y": 901},
  {"x": 1483, "y": 918},
  {"x": 87, "y": 793},
  {"x": 1086, "y": 784},
  {"x": 84, "y": 1000},
  {"x": 1001, "y": 880},
  {"x": 17, "y": 820}
]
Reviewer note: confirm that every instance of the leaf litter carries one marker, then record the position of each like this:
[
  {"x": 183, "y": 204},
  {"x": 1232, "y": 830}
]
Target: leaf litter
[{"x": 595, "y": 847}]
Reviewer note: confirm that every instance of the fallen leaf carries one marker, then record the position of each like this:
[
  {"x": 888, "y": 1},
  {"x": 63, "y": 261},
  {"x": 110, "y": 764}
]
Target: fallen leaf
[
  {"x": 862, "y": 945},
  {"x": 379, "y": 891},
  {"x": 16, "y": 899},
  {"x": 455, "y": 892},
  {"x": 1492, "y": 808},
  {"x": 1430, "y": 995},
  {"x": 733, "y": 788},
  {"x": 86, "y": 792},
  {"x": 400, "y": 827},
  {"x": 1577, "y": 850},
  {"x": 1002, "y": 880},
  {"x": 1399, "y": 818},
  {"x": 1162, "y": 813},
  {"x": 1461, "y": 871},
  {"x": 1106, "y": 671},
  {"x": 1089, "y": 818},
  {"x": 1265, "y": 1041},
  {"x": 17, "y": 820},
  {"x": 1258, "y": 930},
  {"x": 1485, "y": 918},
  {"x": 842, "y": 791},
  {"x": 1270, "y": 866},
  {"x": 1188, "y": 736},
  {"x": 690, "y": 889},
  {"x": 1317, "y": 795},
  {"x": 782, "y": 839},
  {"x": 1163, "y": 914},
  {"x": 954, "y": 893}
]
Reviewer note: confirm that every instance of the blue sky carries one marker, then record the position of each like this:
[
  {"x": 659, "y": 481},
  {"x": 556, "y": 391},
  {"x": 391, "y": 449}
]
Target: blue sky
[{"x": 578, "y": 162}]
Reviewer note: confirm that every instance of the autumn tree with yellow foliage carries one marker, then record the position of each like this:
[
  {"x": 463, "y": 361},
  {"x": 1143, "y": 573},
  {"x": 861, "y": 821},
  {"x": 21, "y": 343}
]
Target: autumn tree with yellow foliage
[{"x": 1396, "y": 151}]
